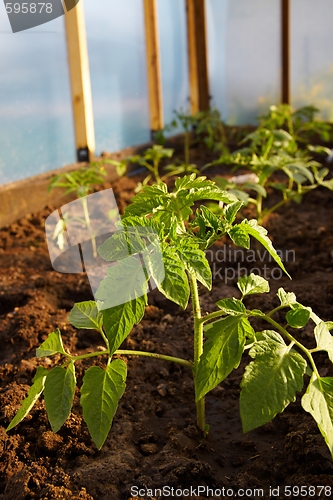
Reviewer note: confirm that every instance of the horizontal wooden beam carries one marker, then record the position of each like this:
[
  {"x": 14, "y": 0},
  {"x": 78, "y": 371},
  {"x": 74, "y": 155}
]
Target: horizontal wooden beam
[
  {"x": 80, "y": 82},
  {"x": 153, "y": 65},
  {"x": 26, "y": 196},
  {"x": 197, "y": 55}
]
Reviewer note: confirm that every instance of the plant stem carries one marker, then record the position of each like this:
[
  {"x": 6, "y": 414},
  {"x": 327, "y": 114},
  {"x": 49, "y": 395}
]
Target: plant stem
[
  {"x": 292, "y": 339},
  {"x": 86, "y": 215},
  {"x": 156, "y": 172},
  {"x": 278, "y": 308},
  {"x": 213, "y": 315},
  {"x": 198, "y": 346},
  {"x": 106, "y": 340},
  {"x": 180, "y": 361},
  {"x": 259, "y": 206},
  {"x": 187, "y": 147}
]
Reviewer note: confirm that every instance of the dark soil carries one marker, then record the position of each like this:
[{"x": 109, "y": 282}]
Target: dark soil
[{"x": 154, "y": 441}]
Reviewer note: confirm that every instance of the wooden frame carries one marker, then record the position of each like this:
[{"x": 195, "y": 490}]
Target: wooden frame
[
  {"x": 80, "y": 83},
  {"x": 197, "y": 55},
  {"x": 153, "y": 65},
  {"x": 285, "y": 38}
]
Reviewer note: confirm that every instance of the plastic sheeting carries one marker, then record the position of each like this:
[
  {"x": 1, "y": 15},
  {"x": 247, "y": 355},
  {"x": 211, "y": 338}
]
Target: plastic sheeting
[
  {"x": 36, "y": 126},
  {"x": 244, "y": 48},
  {"x": 244, "y": 57},
  {"x": 116, "y": 48},
  {"x": 174, "y": 60},
  {"x": 312, "y": 55}
]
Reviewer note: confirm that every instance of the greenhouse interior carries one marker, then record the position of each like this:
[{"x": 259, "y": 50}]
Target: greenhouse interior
[{"x": 166, "y": 249}]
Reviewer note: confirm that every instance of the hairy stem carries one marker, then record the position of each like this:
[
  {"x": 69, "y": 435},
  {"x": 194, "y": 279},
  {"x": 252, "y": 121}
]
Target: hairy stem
[
  {"x": 87, "y": 218},
  {"x": 198, "y": 346},
  {"x": 156, "y": 172},
  {"x": 213, "y": 315},
  {"x": 180, "y": 361}
]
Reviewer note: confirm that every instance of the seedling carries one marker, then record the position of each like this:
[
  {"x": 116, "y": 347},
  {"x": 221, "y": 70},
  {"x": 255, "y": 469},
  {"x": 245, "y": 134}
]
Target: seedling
[
  {"x": 150, "y": 159},
  {"x": 185, "y": 232},
  {"x": 211, "y": 130},
  {"x": 267, "y": 153},
  {"x": 205, "y": 127},
  {"x": 81, "y": 182},
  {"x": 300, "y": 124}
]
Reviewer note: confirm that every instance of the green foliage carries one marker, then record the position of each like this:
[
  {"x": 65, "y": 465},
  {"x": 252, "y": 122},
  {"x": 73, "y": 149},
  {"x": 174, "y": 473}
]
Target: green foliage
[
  {"x": 80, "y": 181},
  {"x": 185, "y": 229},
  {"x": 119, "y": 321},
  {"x": 271, "y": 381},
  {"x": 38, "y": 384},
  {"x": 204, "y": 127},
  {"x": 274, "y": 149},
  {"x": 59, "y": 394},
  {"x": 318, "y": 401},
  {"x": 151, "y": 159},
  {"x": 100, "y": 394},
  {"x": 222, "y": 352},
  {"x": 301, "y": 124}
]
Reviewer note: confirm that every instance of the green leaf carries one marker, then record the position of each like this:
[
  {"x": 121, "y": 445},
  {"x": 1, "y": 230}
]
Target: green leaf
[
  {"x": 324, "y": 339},
  {"x": 52, "y": 345},
  {"x": 125, "y": 281},
  {"x": 239, "y": 236},
  {"x": 119, "y": 321},
  {"x": 299, "y": 169},
  {"x": 222, "y": 352},
  {"x": 232, "y": 306},
  {"x": 298, "y": 316},
  {"x": 100, "y": 394},
  {"x": 318, "y": 401},
  {"x": 257, "y": 188},
  {"x": 209, "y": 218},
  {"x": 59, "y": 394},
  {"x": 86, "y": 315},
  {"x": 192, "y": 182},
  {"x": 249, "y": 285},
  {"x": 232, "y": 210},
  {"x": 196, "y": 262},
  {"x": 149, "y": 199},
  {"x": 286, "y": 298},
  {"x": 122, "y": 244},
  {"x": 252, "y": 228},
  {"x": 210, "y": 193},
  {"x": 175, "y": 284},
  {"x": 34, "y": 392},
  {"x": 270, "y": 382}
]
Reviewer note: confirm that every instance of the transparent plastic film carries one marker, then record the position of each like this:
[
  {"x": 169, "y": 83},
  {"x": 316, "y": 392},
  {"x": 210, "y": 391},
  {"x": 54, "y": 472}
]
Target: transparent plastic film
[{"x": 122, "y": 263}]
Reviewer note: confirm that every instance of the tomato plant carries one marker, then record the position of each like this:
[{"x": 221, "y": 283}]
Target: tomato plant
[{"x": 220, "y": 338}]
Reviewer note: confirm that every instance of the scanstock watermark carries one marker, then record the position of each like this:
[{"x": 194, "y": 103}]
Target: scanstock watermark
[
  {"x": 229, "y": 263},
  {"x": 76, "y": 230},
  {"x": 24, "y": 15}
]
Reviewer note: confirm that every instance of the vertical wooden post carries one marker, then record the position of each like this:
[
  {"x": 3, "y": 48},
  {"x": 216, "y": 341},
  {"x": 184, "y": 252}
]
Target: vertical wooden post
[
  {"x": 153, "y": 65},
  {"x": 80, "y": 82},
  {"x": 197, "y": 55},
  {"x": 285, "y": 38}
]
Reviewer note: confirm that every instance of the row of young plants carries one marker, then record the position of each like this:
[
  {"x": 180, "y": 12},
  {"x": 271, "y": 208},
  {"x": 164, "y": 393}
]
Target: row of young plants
[
  {"x": 280, "y": 364},
  {"x": 277, "y": 156}
]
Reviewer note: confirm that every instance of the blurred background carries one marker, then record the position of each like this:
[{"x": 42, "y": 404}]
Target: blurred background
[{"x": 244, "y": 67}]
